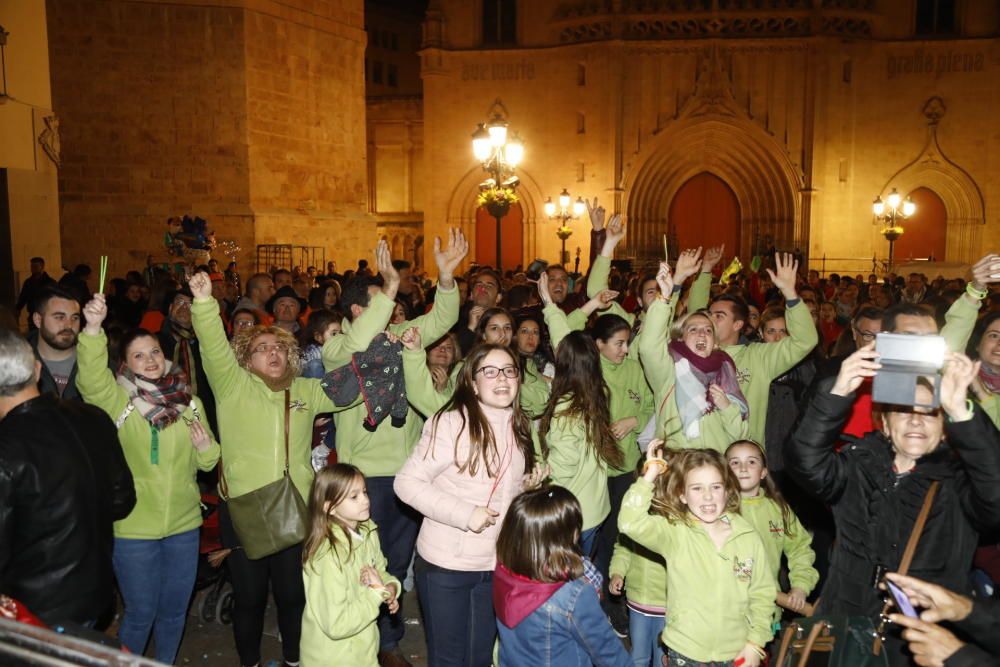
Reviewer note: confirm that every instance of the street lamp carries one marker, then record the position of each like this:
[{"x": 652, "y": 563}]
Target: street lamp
[
  {"x": 890, "y": 214},
  {"x": 499, "y": 152},
  {"x": 563, "y": 214}
]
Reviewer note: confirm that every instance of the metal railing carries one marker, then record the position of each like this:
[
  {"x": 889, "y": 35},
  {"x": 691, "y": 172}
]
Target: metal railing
[{"x": 27, "y": 646}]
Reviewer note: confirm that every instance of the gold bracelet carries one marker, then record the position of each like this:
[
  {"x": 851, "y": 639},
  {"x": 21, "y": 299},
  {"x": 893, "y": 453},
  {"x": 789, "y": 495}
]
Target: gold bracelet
[{"x": 657, "y": 460}]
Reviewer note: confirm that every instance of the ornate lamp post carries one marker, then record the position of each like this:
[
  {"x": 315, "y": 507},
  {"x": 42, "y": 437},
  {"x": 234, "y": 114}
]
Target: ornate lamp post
[
  {"x": 499, "y": 154},
  {"x": 891, "y": 218},
  {"x": 566, "y": 211}
]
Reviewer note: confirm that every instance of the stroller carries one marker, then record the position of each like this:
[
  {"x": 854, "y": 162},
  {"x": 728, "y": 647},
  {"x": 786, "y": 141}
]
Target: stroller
[{"x": 216, "y": 603}]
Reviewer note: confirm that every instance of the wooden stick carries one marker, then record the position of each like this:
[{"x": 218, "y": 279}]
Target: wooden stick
[{"x": 782, "y": 600}]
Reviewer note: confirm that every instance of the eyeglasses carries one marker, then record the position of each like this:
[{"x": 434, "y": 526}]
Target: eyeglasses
[
  {"x": 492, "y": 372},
  {"x": 182, "y": 305},
  {"x": 265, "y": 348},
  {"x": 866, "y": 336}
]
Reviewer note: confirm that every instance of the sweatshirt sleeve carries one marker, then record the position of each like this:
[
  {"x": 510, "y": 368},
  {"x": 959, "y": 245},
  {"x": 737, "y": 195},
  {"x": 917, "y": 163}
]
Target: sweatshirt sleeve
[
  {"x": 420, "y": 390},
  {"x": 93, "y": 377},
  {"x": 800, "y": 555},
  {"x": 959, "y": 322},
  {"x": 761, "y": 594},
  {"x": 217, "y": 357},
  {"x": 778, "y": 358},
  {"x": 338, "y": 350},
  {"x": 381, "y": 564},
  {"x": 635, "y": 521},
  {"x": 207, "y": 459},
  {"x": 700, "y": 291},
  {"x": 329, "y": 585},
  {"x": 653, "y": 353},
  {"x": 557, "y": 322},
  {"x": 598, "y": 279},
  {"x": 621, "y": 560},
  {"x": 439, "y": 321},
  {"x": 415, "y": 481}
]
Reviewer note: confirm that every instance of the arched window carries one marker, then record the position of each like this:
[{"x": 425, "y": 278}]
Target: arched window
[{"x": 499, "y": 22}]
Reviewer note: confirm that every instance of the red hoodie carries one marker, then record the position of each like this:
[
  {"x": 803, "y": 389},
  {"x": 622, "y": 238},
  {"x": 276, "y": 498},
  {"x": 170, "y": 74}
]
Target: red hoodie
[{"x": 516, "y": 598}]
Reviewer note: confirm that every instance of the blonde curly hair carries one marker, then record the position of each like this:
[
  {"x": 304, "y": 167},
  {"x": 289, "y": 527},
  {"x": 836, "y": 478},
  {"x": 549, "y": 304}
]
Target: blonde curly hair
[{"x": 243, "y": 344}]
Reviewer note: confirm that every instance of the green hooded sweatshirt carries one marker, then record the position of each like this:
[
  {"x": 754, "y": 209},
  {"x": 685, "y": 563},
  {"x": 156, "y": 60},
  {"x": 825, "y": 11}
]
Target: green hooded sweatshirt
[
  {"x": 793, "y": 540},
  {"x": 759, "y": 364},
  {"x": 645, "y": 575},
  {"x": 718, "y": 429},
  {"x": 382, "y": 453},
  {"x": 252, "y": 415},
  {"x": 168, "y": 501},
  {"x": 338, "y": 623},
  {"x": 717, "y": 599}
]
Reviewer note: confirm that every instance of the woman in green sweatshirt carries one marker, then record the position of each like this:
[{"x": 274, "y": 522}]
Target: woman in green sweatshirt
[
  {"x": 165, "y": 443},
  {"x": 720, "y": 589},
  {"x": 575, "y": 429}
]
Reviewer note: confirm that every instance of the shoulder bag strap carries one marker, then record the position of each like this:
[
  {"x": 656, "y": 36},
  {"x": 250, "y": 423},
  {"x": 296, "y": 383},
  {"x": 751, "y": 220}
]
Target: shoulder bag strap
[
  {"x": 288, "y": 415},
  {"x": 918, "y": 528}
]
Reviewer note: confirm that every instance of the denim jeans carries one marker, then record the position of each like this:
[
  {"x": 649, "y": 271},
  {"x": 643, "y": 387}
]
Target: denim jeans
[
  {"x": 645, "y": 632},
  {"x": 588, "y": 540},
  {"x": 458, "y": 615},
  {"x": 398, "y": 525},
  {"x": 156, "y": 578}
]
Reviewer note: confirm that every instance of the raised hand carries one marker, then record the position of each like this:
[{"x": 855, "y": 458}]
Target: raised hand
[
  {"x": 860, "y": 365},
  {"x": 687, "y": 265},
  {"x": 95, "y": 311},
  {"x": 411, "y": 339},
  {"x": 447, "y": 260},
  {"x": 475, "y": 313},
  {"x": 655, "y": 464},
  {"x": 200, "y": 437},
  {"x": 543, "y": 289},
  {"x": 959, "y": 372},
  {"x": 383, "y": 262},
  {"x": 665, "y": 280},
  {"x": 616, "y": 230},
  {"x": 786, "y": 275},
  {"x": 596, "y": 214},
  {"x": 201, "y": 285},
  {"x": 712, "y": 257},
  {"x": 600, "y": 301}
]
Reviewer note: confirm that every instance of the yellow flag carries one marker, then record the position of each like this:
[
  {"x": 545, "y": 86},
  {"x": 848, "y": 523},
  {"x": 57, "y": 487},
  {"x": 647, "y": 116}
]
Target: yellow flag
[{"x": 734, "y": 267}]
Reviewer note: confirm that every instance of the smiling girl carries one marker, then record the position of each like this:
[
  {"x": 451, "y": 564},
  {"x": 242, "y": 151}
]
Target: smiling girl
[{"x": 720, "y": 589}]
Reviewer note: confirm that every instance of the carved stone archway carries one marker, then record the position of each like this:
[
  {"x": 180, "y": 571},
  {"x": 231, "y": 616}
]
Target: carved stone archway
[
  {"x": 713, "y": 133},
  {"x": 963, "y": 200},
  {"x": 462, "y": 209}
]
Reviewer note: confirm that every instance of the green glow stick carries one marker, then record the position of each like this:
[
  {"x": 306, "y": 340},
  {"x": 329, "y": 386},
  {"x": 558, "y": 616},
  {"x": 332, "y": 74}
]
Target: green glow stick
[{"x": 104, "y": 272}]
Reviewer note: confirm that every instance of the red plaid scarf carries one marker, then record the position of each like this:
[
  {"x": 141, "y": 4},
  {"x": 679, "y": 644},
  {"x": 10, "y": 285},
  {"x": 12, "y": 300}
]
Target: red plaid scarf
[{"x": 160, "y": 401}]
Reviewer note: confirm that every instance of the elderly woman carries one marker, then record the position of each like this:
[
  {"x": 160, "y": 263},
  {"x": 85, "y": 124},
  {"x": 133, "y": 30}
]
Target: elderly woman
[
  {"x": 877, "y": 484},
  {"x": 253, "y": 381},
  {"x": 165, "y": 444}
]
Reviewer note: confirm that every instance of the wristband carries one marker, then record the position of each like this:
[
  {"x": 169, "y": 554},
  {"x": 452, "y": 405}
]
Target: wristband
[
  {"x": 758, "y": 650},
  {"x": 791, "y": 303},
  {"x": 658, "y": 461},
  {"x": 977, "y": 294},
  {"x": 970, "y": 406}
]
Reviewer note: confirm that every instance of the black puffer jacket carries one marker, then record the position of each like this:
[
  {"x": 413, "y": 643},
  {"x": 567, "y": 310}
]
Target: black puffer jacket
[
  {"x": 63, "y": 481},
  {"x": 875, "y": 512},
  {"x": 982, "y": 626}
]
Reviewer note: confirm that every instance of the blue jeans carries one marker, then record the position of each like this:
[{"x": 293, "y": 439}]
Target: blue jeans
[
  {"x": 645, "y": 632},
  {"x": 398, "y": 525},
  {"x": 588, "y": 540},
  {"x": 156, "y": 578},
  {"x": 458, "y": 615}
]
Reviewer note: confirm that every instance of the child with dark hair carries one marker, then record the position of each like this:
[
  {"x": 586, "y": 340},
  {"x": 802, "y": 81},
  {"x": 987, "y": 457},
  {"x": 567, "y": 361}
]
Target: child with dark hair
[{"x": 545, "y": 593}]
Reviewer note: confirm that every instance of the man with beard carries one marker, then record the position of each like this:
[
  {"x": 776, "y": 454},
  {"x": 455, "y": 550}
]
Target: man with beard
[
  {"x": 57, "y": 319},
  {"x": 180, "y": 345}
]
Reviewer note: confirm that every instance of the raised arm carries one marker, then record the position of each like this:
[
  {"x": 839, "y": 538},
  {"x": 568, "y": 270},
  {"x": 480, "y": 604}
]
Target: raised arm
[
  {"x": 555, "y": 319},
  {"x": 420, "y": 389},
  {"x": 223, "y": 371},
  {"x": 960, "y": 320},
  {"x": 701, "y": 289},
  {"x": 802, "y": 335},
  {"x": 634, "y": 519},
  {"x": 94, "y": 379},
  {"x": 656, "y": 360},
  {"x": 444, "y": 314}
]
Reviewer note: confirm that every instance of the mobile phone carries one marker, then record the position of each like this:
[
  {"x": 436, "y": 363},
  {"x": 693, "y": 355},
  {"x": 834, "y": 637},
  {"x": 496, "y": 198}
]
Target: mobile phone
[{"x": 902, "y": 602}]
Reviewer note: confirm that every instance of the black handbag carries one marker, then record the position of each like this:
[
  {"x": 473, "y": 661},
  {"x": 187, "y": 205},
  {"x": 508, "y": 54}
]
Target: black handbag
[
  {"x": 271, "y": 518},
  {"x": 847, "y": 641}
]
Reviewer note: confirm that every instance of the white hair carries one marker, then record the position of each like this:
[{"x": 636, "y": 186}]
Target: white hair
[{"x": 17, "y": 363}]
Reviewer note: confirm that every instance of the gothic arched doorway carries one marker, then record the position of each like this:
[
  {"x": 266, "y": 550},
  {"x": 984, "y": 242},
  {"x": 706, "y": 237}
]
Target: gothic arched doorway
[
  {"x": 926, "y": 232},
  {"x": 511, "y": 236},
  {"x": 705, "y": 212}
]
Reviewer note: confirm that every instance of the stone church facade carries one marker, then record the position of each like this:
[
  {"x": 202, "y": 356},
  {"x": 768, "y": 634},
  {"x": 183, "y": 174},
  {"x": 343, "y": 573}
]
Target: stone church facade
[{"x": 740, "y": 121}]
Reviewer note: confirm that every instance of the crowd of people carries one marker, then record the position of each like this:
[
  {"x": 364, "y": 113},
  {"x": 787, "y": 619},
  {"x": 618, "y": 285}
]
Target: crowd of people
[{"x": 611, "y": 469}]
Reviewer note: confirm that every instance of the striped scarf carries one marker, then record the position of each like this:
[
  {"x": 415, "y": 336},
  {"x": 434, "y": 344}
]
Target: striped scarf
[{"x": 159, "y": 401}]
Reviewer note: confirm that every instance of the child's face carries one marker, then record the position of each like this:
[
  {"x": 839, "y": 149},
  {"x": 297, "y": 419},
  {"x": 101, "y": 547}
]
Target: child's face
[
  {"x": 705, "y": 493},
  {"x": 748, "y": 466},
  {"x": 332, "y": 330},
  {"x": 355, "y": 507}
]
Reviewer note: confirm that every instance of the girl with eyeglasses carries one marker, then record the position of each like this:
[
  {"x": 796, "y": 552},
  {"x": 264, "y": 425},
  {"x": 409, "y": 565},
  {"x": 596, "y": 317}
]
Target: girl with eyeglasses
[{"x": 474, "y": 457}]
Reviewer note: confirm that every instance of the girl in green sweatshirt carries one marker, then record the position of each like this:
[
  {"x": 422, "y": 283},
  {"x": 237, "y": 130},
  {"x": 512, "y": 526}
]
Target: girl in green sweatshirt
[
  {"x": 344, "y": 573},
  {"x": 765, "y": 508},
  {"x": 720, "y": 588}
]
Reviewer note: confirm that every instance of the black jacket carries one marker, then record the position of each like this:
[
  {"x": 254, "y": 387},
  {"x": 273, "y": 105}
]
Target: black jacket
[
  {"x": 982, "y": 627},
  {"x": 63, "y": 481},
  {"x": 874, "y": 512},
  {"x": 47, "y": 383}
]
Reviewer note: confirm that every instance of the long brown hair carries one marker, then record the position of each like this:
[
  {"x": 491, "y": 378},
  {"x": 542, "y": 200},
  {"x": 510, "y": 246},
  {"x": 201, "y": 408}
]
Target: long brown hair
[
  {"x": 466, "y": 402},
  {"x": 669, "y": 487},
  {"x": 580, "y": 381},
  {"x": 331, "y": 485},
  {"x": 767, "y": 484},
  {"x": 539, "y": 538}
]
